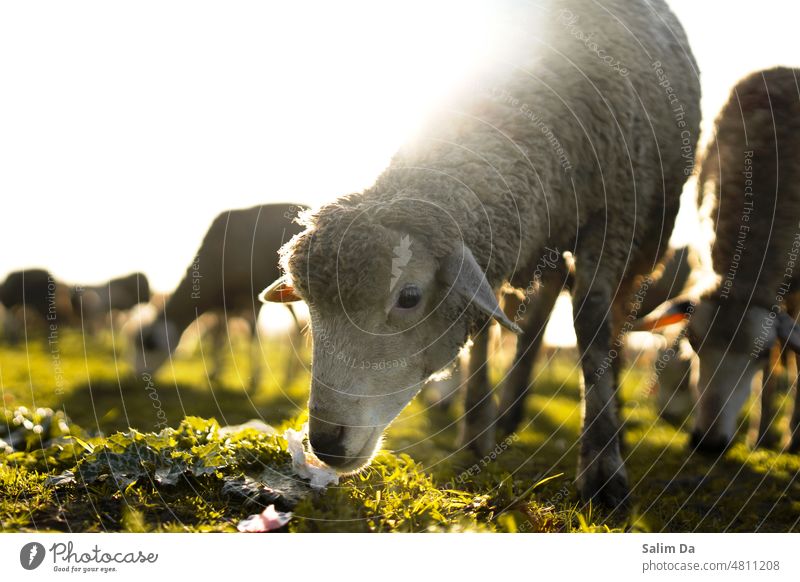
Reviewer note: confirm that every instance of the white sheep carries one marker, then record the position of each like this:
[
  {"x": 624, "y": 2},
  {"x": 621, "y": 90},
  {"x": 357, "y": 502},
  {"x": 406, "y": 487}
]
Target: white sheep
[{"x": 581, "y": 141}]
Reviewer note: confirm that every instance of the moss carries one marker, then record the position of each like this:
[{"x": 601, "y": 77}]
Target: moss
[{"x": 193, "y": 478}]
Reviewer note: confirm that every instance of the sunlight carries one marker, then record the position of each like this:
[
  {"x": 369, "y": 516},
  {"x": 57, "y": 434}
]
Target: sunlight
[
  {"x": 117, "y": 159},
  {"x": 130, "y": 151}
]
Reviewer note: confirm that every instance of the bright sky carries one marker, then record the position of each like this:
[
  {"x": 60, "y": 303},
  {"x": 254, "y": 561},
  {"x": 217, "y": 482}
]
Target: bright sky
[{"x": 125, "y": 127}]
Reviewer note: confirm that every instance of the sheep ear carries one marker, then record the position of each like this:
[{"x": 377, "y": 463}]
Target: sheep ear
[
  {"x": 461, "y": 272},
  {"x": 675, "y": 311},
  {"x": 279, "y": 292},
  {"x": 789, "y": 331}
]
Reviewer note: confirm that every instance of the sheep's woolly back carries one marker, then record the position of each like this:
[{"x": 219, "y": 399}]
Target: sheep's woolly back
[
  {"x": 751, "y": 171},
  {"x": 579, "y": 141}
]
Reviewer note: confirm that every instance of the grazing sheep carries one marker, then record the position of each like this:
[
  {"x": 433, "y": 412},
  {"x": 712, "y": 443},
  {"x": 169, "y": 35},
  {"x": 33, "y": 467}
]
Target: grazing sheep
[
  {"x": 581, "y": 142},
  {"x": 95, "y": 304},
  {"x": 751, "y": 171},
  {"x": 34, "y": 292},
  {"x": 676, "y": 365},
  {"x": 237, "y": 258}
]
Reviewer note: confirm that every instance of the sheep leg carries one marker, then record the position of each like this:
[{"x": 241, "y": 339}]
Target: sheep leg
[
  {"x": 477, "y": 431},
  {"x": 217, "y": 348},
  {"x": 516, "y": 384},
  {"x": 255, "y": 356},
  {"x": 772, "y": 376},
  {"x": 11, "y": 326},
  {"x": 794, "y": 422},
  {"x": 601, "y": 472}
]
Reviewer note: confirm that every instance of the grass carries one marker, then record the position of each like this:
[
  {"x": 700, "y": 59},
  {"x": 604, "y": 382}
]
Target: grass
[{"x": 191, "y": 477}]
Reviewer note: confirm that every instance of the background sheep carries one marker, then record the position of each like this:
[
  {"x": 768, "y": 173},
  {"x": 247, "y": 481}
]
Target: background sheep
[
  {"x": 37, "y": 294},
  {"x": 399, "y": 276},
  {"x": 676, "y": 365},
  {"x": 237, "y": 258},
  {"x": 751, "y": 172},
  {"x": 95, "y": 304}
]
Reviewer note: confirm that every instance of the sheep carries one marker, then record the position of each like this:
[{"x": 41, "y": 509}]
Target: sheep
[
  {"x": 237, "y": 258},
  {"x": 37, "y": 292},
  {"x": 676, "y": 366},
  {"x": 580, "y": 142},
  {"x": 533, "y": 314},
  {"x": 93, "y": 304},
  {"x": 750, "y": 173}
]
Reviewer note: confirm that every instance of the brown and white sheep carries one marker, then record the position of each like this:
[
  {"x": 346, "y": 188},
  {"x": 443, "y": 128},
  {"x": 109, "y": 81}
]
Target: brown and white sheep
[{"x": 751, "y": 172}]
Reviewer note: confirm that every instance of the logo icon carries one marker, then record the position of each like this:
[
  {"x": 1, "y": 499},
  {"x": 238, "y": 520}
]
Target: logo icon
[{"x": 31, "y": 555}]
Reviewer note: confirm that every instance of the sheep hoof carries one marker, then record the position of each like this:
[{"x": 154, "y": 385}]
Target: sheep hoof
[
  {"x": 602, "y": 479},
  {"x": 769, "y": 439},
  {"x": 710, "y": 445}
]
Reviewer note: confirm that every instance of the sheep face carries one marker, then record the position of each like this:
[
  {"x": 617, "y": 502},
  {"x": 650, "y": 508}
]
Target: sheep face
[
  {"x": 732, "y": 342},
  {"x": 374, "y": 350},
  {"x": 732, "y": 346},
  {"x": 371, "y": 361},
  {"x": 154, "y": 345}
]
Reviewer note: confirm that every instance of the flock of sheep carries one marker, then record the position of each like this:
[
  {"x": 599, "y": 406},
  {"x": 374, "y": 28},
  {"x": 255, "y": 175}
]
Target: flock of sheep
[
  {"x": 222, "y": 280},
  {"x": 36, "y": 294},
  {"x": 400, "y": 277}
]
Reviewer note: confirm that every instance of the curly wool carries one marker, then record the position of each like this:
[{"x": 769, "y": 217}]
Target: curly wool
[
  {"x": 490, "y": 171},
  {"x": 751, "y": 173}
]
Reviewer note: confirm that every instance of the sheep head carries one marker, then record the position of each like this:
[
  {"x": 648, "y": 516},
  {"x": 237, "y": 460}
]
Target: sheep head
[
  {"x": 732, "y": 341},
  {"x": 389, "y": 308}
]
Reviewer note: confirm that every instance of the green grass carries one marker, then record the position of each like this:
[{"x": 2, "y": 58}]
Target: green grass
[{"x": 180, "y": 479}]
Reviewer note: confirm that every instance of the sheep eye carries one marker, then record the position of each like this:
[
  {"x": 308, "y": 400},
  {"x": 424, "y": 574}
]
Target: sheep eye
[{"x": 409, "y": 297}]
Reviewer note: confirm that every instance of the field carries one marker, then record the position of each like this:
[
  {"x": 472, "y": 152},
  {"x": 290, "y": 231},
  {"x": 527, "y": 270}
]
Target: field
[{"x": 192, "y": 478}]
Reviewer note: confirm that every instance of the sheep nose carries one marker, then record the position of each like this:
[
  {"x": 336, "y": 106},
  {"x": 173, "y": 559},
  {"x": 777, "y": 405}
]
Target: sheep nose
[{"x": 327, "y": 442}]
